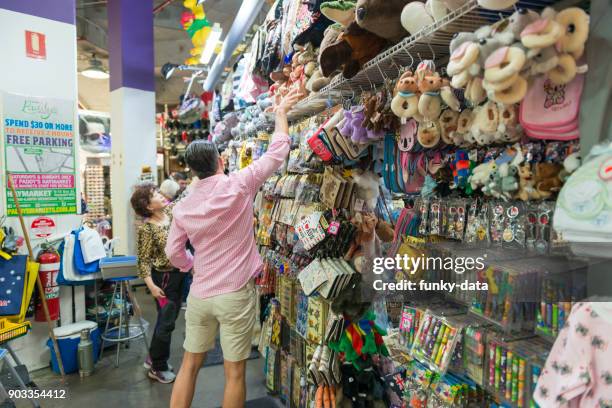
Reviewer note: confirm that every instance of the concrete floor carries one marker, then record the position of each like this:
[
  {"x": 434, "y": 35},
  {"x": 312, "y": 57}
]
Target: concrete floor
[{"x": 128, "y": 385}]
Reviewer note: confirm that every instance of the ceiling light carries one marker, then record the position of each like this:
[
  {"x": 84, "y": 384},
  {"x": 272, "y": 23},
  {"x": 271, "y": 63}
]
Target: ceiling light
[
  {"x": 95, "y": 70},
  {"x": 200, "y": 2},
  {"x": 211, "y": 43}
]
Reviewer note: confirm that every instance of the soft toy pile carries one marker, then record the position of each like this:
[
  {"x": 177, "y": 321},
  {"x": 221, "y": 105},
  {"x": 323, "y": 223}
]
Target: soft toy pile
[{"x": 496, "y": 62}]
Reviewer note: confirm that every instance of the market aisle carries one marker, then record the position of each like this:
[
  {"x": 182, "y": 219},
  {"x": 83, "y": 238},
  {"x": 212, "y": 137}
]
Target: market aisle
[{"x": 128, "y": 385}]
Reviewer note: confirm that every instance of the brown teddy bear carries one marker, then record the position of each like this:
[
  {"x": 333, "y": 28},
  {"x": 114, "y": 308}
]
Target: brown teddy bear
[
  {"x": 381, "y": 17},
  {"x": 353, "y": 48},
  {"x": 547, "y": 180}
]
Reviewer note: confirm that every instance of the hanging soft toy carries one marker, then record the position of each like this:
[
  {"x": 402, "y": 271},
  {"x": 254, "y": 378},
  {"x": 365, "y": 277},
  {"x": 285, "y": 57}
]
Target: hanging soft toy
[
  {"x": 428, "y": 134},
  {"x": 502, "y": 70},
  {"x": 448, "y": 125},
  {"x": 405, "y": 103},
  {"x": 461, "y": 167},
  {"x": 430, "y": 101},
  {"x": 198, "y": 27},
  {"x": 463, "y": 136}
]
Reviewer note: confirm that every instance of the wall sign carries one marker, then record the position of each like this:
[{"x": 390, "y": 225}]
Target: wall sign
[
  {"x": 43, "y": 227},
  {"x": 39, "y": 151},
  {"x": 36, "y": 45}
]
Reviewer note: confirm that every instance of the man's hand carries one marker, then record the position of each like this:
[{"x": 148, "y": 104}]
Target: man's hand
[
  {"x": 157, "y": 292},
  {"x": 284, "y": 105}
]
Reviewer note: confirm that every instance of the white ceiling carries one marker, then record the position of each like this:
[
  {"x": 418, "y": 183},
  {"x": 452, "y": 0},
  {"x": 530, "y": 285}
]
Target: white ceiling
[{"x": 172, "y": 44}]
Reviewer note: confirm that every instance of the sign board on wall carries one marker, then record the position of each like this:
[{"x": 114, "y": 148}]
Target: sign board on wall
[
  {"x": 36, "y": 45},
  {"x": 39, "y": 151}
]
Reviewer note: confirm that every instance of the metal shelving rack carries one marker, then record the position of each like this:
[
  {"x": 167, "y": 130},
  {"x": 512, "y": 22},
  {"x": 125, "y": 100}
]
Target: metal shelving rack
[{"x": 432, "y": 42}]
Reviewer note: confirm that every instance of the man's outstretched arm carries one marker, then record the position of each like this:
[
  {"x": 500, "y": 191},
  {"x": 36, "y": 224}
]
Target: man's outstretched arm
[{"x": 254, "y": 175}]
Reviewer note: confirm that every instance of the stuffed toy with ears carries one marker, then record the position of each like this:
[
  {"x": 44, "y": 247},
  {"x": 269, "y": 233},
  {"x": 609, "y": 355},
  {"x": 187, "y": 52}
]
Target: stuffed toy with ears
[
  {"x": 353, "y": 48},
  {"x": 547, "y": 179},
  {"x": 339, "y": 11},
  {"x": 508, "y": 30},
  {"x": 502, "y": 77},
  {"x": 464, "y": 52},
  {"x": 486, "y": 120},
  {"x": 448, "y": 96},
  {"x": 428, "y": 134},
  {"x": 570, "y": 164},
  {"x": 405, "y": 103},
  {"x": 527, "y": 190},
  {"x": 481, "y": 174},
  {"x": 430, "y": 101},
  {"x": 508, "y": 128},
  {"x": 381, "y": 17},
  {"x": 463, "y": 136},
  {"x": 448, "y": 125},
  {"x": 462, "y": 168}
]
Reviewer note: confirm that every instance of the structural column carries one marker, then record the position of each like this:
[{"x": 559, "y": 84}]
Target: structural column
[{"x": 132, "y": 85}]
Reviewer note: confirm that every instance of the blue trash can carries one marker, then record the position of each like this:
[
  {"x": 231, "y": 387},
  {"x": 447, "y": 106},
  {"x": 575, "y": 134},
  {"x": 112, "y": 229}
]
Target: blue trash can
[{"x": 68, "y": 339}]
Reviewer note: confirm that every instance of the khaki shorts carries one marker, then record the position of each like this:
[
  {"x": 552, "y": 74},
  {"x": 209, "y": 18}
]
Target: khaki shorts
[{"x": 233, "y": 314}]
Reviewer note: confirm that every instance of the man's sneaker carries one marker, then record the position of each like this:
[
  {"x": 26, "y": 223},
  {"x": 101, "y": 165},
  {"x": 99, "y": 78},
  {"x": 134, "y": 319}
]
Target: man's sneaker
[
  {"x": 148, "y": 363},
  {"x": 164, "y": 377}
]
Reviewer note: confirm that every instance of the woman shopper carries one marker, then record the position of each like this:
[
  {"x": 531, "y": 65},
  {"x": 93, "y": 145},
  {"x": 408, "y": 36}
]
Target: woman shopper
[{"x": 163, "y": 280}]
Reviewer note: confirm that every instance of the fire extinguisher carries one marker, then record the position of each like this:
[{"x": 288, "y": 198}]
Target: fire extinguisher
[{"x": 49, "y": 261}]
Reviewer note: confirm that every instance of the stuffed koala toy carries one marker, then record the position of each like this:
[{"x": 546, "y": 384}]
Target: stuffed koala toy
[{"x": 381, "y": 17}]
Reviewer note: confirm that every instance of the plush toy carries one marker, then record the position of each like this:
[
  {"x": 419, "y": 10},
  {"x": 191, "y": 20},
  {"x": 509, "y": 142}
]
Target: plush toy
[
  {"x": 381, "y": 17},
  {"x": 429, "y": 134},
  {"x": 475, "y": 92},
  {"x": 547, "y": 180},
  {"x": 502, "y": 182},
  {"x": 462, "y": 167},
  {"x": 486, "y": 120},
  {"x": 575, "y": 30},
  {"x": 527, "y": 190},
  {"x": 406, "y": 100},
  {"x": 430, "y": 102},
  {"x": 339, "y": 11},
  {"x": 352, "y": 127},
  {"x": 464, "y": 52},
  {"x": 353, "y": 48},
  {"x": 502, "y": 69},
  {"x": 481, "y": 174},
  {"x": 542, "y": 33},
  {"x": 508, "y": 30},
  {"x": 463, "y": 136},
  {"x": 448, "y": 125},
  {"x": 508, "y": 128},
  {"x": 570, "y": 164},
  {"x": 448, "y": 96}
]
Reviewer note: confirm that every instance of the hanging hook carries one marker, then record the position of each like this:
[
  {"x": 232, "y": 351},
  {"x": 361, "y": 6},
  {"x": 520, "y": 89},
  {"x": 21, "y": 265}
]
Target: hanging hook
[
  {"x": 382, "y": 74},
  {"x": 433, "y": 53}
]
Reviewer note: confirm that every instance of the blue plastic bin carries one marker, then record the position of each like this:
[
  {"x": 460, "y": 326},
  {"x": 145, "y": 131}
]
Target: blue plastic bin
[{"x": 68, "y": 339}]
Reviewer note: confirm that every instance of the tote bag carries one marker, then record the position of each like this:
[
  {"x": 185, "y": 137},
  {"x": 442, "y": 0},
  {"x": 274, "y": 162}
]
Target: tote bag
[{"x": 12, "y": 283}]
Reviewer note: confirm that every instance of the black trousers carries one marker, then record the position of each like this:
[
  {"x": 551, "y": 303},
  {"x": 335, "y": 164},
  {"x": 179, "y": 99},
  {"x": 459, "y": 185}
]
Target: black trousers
[{"x": 172, "y": 285}]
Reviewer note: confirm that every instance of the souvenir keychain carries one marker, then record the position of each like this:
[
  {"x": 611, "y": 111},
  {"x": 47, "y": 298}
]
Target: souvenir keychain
[
  {"x": 514, "y": 230},
  {"x": 497, "y": 223},
  {"x": 434, "y": 218},
  {"x": 543, "y": 230}
]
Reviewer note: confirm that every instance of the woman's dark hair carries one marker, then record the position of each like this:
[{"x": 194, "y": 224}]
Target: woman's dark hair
[
  {"x": 141, "y": 198},
  {"x": 202, "y": 158}
]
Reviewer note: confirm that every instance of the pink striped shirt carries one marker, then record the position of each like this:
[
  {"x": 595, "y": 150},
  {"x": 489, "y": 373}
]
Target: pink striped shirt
[{"x": 217, "y": 218}]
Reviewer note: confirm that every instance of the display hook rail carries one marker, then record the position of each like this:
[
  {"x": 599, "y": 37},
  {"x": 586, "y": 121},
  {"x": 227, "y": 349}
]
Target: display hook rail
[{"x": 432, "y": 42}]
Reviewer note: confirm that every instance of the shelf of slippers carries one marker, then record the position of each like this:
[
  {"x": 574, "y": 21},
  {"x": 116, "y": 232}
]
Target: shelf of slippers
[{"x": 432, "y": 42}]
